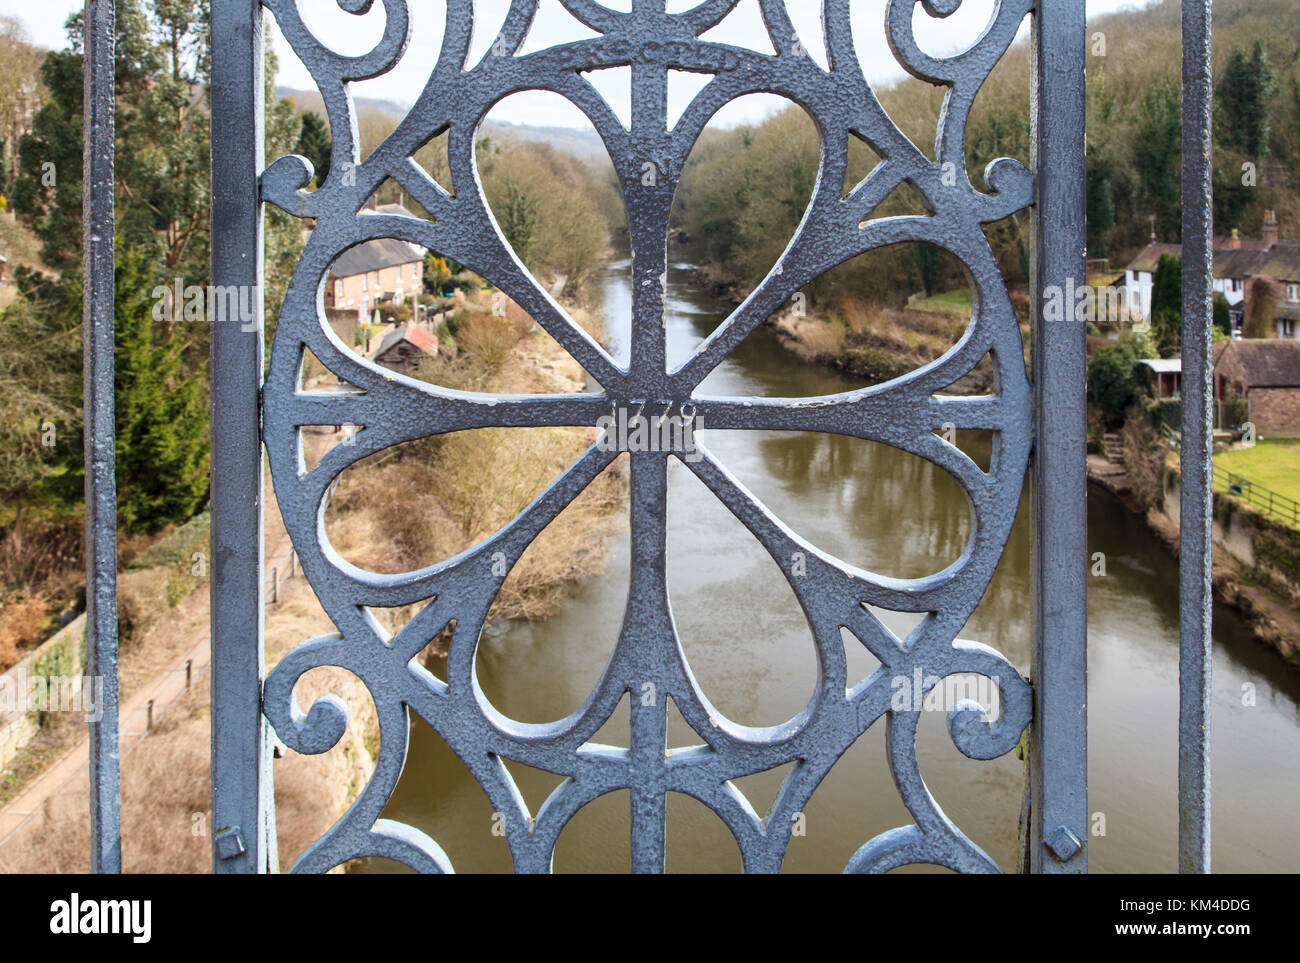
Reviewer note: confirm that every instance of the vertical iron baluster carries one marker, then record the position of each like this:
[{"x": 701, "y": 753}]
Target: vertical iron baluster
[
  {"x": 1059, "y": 744},
  {"x": 242, "y": 817},
  {"x": 1195, "y": 499},
  {"x": 100, "y": 431}
]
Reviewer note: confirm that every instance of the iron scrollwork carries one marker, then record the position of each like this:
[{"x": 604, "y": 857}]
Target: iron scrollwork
[{"x": 907, "y": 413}]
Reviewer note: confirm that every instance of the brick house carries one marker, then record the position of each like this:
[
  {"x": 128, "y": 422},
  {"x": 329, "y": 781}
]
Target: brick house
[
  {"x": 1267, "y": 373},
  {"x": 377, "y": 273},
  {"x": 1273, "y": 292},
  {"x": 405, "y": 346}
]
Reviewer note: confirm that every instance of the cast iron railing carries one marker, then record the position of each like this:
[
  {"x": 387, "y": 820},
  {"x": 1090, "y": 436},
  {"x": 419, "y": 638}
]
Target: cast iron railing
[{"x": 1046, "y": 418}]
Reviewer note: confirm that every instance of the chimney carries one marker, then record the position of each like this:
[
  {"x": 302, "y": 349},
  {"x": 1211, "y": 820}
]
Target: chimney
[
  {"x": 1269, "y": 231},
  {"x": 1153, "y": 229},
  {"x": 1234, "y": 240},
  {"x": 374, "y": 202}
]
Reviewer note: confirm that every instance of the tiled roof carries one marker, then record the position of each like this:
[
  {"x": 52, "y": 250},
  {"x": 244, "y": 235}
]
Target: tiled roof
[
  {"x": 1235, "y": 264},
  {"x": 1267, "y": 363},
  {"x": 1151, "y": 255},
  {"x": 372, "y": 256},
  {"x": 1280, "y": 260},
  {"x": 413, "y": 333}
]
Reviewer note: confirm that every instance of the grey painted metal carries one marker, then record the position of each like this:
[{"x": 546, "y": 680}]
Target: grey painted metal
[
  {"x": 242, "y": 799},
  {"x": 1058, "y": 740},
  {"x": 100, "y": 431},
  {"x": 1195, "y": 559},
  {"x": 908, "y": 412}
]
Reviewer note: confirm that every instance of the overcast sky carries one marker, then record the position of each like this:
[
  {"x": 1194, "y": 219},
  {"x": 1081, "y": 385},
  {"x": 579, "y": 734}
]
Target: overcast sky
[{"x": 352, "y": 34}]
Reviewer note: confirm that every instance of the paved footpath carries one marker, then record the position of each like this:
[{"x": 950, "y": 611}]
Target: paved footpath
[
  {"x": 133, "y": 714},
  {"x": 162, "y": 691}
]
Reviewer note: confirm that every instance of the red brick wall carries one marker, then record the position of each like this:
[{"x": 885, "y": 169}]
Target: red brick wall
[
  {"x": 1229, "y": 369},
  {"x": 1275, "y": 411}
]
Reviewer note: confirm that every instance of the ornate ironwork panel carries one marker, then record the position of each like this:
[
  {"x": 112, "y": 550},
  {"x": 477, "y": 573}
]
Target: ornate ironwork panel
[{"x": 908, "y": 412}]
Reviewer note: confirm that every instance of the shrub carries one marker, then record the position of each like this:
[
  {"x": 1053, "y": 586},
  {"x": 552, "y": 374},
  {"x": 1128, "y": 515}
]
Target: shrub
[
  {"x": 1112, "y": 386},
  {"x": 23, "y": 623},
  {"x": 487, "y": 338}
]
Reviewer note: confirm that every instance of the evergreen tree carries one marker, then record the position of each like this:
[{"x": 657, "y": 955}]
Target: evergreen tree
[
  {"x": 162, "y": 446},
  {"x": 1243, "y": 97},
  {"x": 161, "y": 412},
  {"x": 1101, "y": 212},
  {"x": 930, "y": 260},
  {"x": 47, "y": 188},
  {"x": 1157, "y": 153},
  {"x": 314, "y": 143},
  {"x": 40, "y": 391},
  {"x": 1167, "y": 305},
  {"x": 519, "y": 222},
  {"x": 1111, "y": 385}
]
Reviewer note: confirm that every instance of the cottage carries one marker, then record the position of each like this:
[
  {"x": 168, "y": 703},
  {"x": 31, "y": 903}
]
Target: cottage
[
  {"x": 405, "y": 346},
  {"x": 378, "y": 273},
  {"x": 1267, "y": 373},
  {"x": 1238, "y": 262}
]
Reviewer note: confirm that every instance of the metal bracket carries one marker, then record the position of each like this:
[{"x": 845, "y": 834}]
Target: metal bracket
[{"x": 230, "y": 843}]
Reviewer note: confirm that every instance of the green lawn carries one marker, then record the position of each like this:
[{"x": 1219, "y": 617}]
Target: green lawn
[
  {"x": 1274, "y": 464},
  {"x": 946, "y": 302}
]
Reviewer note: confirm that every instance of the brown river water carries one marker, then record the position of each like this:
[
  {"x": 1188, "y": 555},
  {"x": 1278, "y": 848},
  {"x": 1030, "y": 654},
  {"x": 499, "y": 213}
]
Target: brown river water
[{"x": 750, "y": 648}]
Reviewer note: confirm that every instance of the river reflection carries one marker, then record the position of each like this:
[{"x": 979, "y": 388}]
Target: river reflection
[{"x": 749, "y": 646}]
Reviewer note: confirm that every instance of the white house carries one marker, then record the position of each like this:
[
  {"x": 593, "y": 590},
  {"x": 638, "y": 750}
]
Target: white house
[{"x": 1236, "y": 261}]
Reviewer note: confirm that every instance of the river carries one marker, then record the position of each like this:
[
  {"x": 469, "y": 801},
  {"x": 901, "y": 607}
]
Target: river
[{"x": 750, "y": 648}]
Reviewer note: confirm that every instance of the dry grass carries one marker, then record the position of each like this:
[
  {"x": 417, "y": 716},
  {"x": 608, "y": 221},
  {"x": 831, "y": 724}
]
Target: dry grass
[
  {"x": 876, "y": 342},
  {"x": 431, "y": 500},
  {"x": 142, "y": 602},
  {"x": 393, "y": 512},
  {"x": 488, "y": 339},
  {"x": 24, "y": 620},
  {"x": 166, "y": 806},
  {"x": 166, "y": 789},
  {"x": 1144, "y": 460},
  {"x": 41, "y": 573},
  {"x": 438, "y": 501}
]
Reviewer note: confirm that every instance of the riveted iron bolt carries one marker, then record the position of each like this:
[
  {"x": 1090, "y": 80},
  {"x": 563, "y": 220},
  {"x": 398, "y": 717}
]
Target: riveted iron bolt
[{"x": 1064, "y": 844}]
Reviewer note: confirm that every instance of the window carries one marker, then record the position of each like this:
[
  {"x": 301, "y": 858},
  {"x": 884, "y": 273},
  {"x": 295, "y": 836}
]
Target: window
[
  {"x": 365, "y": 282},
  {"x": 399, "y": 273},
  {"x": 338, "y": 289},
  {"x": 1293, "y": 292}
]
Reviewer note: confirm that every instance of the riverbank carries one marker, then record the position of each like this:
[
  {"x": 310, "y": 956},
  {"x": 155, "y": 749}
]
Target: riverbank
[
  {"x": 391, "y": 512},
  {"x": 1239, "y": 582},
  {"x": 867, "y": 341},
  {"x": 877, "y": 344}
]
